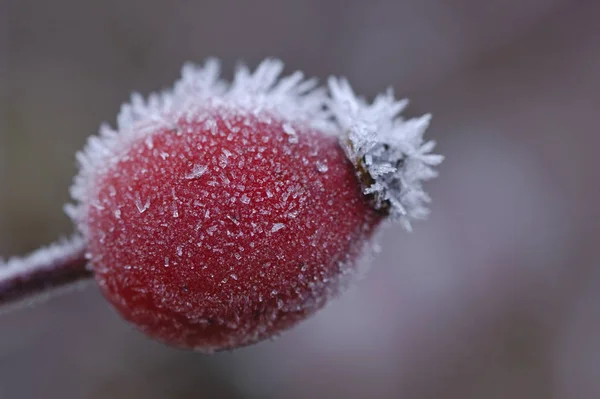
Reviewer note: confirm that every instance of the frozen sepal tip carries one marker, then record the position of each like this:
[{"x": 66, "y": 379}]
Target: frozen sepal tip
[{"x": 389, "y": 152}]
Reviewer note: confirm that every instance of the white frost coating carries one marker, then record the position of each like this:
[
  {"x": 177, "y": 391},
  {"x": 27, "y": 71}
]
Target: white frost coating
[
  {"x": 46, "y": 257},
  {"x": 200, "y": 92},
  {"x": 388, "y": 148}
]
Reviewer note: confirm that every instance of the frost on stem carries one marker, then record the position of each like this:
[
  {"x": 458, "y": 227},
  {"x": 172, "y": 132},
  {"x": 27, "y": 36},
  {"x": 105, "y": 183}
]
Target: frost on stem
[
  {"x": 388, "y": 152},
  {"x": 47, "y": 268}
]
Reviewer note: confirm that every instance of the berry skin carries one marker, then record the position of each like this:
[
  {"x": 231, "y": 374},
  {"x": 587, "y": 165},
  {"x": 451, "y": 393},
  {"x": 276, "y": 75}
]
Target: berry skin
[
  {"x": 218, "y": 214},
  {"x": 224, "y": 231}
]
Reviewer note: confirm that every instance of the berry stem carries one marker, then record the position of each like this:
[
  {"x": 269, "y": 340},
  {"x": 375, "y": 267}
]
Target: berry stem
[{"x": 43, "y": 271}]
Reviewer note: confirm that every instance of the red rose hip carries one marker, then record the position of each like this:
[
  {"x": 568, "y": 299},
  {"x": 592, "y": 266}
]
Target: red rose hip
[{"x": 217, "y": 216}]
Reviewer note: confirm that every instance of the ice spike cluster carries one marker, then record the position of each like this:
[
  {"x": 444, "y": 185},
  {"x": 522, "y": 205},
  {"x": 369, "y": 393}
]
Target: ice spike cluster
[{"x": 219, "y": 214}]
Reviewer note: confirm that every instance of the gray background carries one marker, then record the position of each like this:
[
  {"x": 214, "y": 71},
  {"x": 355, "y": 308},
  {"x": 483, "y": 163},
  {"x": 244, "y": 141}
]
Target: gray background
[{"x": 496, "y": 296}]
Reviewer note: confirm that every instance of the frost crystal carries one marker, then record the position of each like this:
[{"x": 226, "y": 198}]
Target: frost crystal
[
  {"x": 379, "y": 143},
  {"x": 390, "y": 150},
  {"x": 277, "y": 227},
  {"x": 198, "y": 171}
]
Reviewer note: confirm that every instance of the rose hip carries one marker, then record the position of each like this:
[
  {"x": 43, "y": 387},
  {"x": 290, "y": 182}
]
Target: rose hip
[
  {"x": 226, "y": 230},
  {"x": 217, "y": 215}
]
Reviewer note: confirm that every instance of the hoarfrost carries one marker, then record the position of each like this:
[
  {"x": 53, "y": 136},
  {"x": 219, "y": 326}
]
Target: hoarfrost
[
  {"x": 293, "y": 214},
  {"x": 292, "y": 97},
  {"x": 138, "y": 203},
  {"x": 321, "y": 167},
  {"x": 291, "y": 132},
  {"x": 245, "y": 199},
  {"x": 277, "y": 227},
  {"x": 234, "y": 220},
  {"x": 43, "y": 257},
  {"x": 390, "y": 149},
  {"x": 197, "y": 171},
  {"x": 288, "y": 129},
  {"x": 375, "y": 138}
]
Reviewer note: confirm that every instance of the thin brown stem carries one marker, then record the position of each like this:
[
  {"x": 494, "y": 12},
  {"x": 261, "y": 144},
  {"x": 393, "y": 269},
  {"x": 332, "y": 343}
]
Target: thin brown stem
[{"x": 44, "y": 270}]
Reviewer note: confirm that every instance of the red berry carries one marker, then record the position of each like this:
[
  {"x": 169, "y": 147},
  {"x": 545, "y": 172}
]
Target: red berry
[
  {"x": 224, "y": 231},
  {"x": 218, "y": 217}
]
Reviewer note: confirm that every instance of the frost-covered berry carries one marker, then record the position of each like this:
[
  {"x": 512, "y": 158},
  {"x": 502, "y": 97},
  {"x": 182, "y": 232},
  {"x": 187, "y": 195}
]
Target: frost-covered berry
[{"x": 218, "y": 214}]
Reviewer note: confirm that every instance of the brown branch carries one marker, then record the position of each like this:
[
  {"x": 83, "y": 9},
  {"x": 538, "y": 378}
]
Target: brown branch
[{"x": 43, "y": 271}]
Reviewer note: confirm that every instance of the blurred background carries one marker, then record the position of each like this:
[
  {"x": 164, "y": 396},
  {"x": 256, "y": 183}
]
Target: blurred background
[{"x": 496, "y": 296}]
